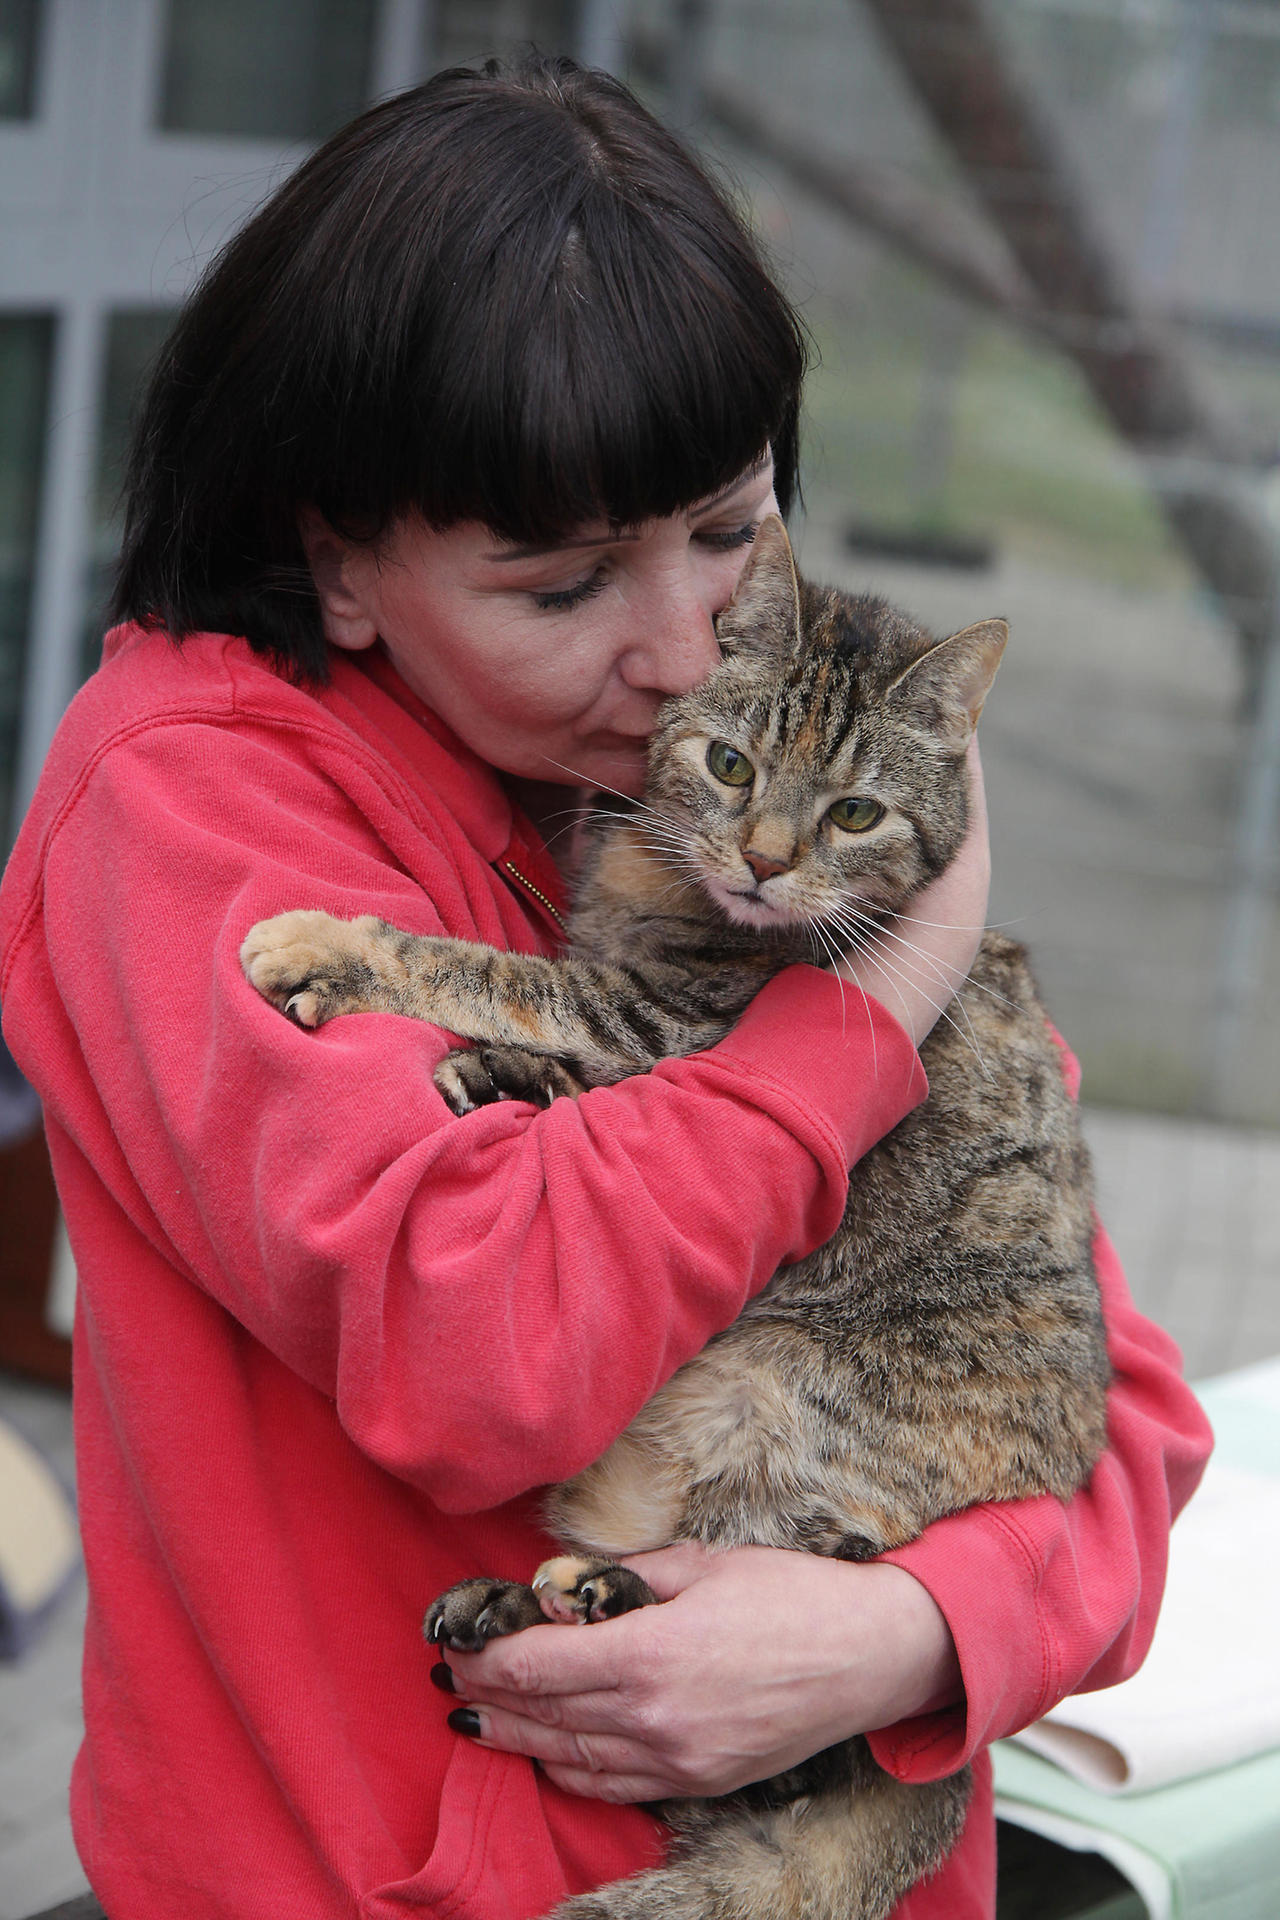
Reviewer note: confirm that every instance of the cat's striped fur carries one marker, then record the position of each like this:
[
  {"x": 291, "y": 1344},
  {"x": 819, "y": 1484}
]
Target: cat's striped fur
[{"x": 945, "y": 1347}]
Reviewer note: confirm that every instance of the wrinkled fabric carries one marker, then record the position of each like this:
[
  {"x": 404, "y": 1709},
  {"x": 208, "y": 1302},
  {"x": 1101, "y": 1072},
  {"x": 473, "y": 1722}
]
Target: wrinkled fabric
[{"x": 331, "y": 1341}]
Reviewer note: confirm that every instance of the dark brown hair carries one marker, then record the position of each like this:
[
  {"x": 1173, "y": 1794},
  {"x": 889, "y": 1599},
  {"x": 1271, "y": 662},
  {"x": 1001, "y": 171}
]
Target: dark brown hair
[{"x": 507, "y": 296}]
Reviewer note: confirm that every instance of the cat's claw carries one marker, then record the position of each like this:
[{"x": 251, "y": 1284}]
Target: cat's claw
[
  {"x": 466, "y": 1617},
  {"x": 452, "y": 1086},
  {"x": 313, "y": 966},
  {"x": 472, "y": 1077},
  {"x": 573, "y": 1591}
]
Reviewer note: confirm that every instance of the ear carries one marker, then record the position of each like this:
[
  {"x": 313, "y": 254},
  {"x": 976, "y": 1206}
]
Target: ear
[
  {"x": 344, "y": 576},
  {"x": 954, "y": 678},
  {"x": 764, "y": 613}
]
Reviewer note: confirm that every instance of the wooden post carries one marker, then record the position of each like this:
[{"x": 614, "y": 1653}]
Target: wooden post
[
  {"x": 29, "y": 1210},
  {"x": 1199, "y": 465}
]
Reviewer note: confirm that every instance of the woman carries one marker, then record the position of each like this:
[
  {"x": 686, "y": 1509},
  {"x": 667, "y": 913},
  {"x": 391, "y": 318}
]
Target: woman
[{"x": 440, "y": 483}]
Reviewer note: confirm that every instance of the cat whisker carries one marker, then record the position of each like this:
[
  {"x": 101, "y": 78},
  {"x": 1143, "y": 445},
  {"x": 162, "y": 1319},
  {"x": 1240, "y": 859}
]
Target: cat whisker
[
  {"x": 566, "y": 813},
  {"x": 673, "y": 852},
  {"x": 602, "y": 786},
  {"x": 932, "y": 971},
  {"x": 956, "y": 926},
  {"x": 912, "y": 976},
  {"x": 668, "y": 831},
  {"x": 858, "y": 946},
  {"x": 821, "y": 937},
  {"x": 887, "y": 930},
  {"x": 881, "y": 966},
  {"x": 549, "y": 839},
  {"x": 978, "y": 986},
  {"x": 891, "y": 932},
  {"x": 661, "y": 837},
  {"x": 670, "y": 852},
  {"x": 658, "y": 830},
  {"x": 831, "y": 946}
]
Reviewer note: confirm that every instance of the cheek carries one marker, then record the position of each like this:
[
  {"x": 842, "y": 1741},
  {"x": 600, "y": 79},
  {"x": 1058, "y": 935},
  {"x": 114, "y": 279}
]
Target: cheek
[
  {"x": 513, "y": 673},
  {"x": 723, "y": 574},
  {"x": 542, "y": 675}
]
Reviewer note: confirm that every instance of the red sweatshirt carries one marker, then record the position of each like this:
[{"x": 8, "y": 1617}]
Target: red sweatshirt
[{"x": 331, "y": 1340}]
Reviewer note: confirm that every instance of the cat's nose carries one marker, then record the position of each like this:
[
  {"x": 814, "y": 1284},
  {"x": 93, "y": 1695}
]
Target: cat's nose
[{"x": 762, "y": 865}]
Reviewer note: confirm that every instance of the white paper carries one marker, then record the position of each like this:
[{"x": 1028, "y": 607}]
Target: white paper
[{"x": 1209, "y": 1692}]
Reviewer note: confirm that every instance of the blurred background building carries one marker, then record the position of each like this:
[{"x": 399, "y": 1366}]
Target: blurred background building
[{"x": 1033, "y": 242}]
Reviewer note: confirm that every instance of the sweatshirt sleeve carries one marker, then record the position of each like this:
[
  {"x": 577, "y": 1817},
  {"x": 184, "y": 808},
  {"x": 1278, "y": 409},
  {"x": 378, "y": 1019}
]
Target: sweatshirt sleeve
[
  {"x": 529, "y": 1277},
  {"x": 1044, "y": 1598}
]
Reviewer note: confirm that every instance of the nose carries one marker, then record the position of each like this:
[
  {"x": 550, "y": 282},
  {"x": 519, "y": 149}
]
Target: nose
[
  {"x": 673, "y": 643},
  {"x": 762, "y": 865}
]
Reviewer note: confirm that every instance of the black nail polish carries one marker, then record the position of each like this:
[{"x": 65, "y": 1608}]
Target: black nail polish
[
  {"x": 442, "y": 1678},
  {"x": 465, "y": 1720}
]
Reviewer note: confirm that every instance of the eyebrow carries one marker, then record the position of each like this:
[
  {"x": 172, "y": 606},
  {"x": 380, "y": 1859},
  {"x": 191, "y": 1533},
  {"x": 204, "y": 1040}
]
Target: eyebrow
[
  {"x": 616, "y": 535},
  {"x": 560, "y": 546}
]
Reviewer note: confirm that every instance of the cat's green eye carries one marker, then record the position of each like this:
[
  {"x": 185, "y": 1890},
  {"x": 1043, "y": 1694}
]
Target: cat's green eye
[
  {"x": 855, "y": 815},
  {"x": 729, "y": 765}
]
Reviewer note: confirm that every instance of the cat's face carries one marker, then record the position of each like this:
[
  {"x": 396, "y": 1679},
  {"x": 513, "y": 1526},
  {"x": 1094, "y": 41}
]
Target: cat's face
[{"x": 819, "y": 773}]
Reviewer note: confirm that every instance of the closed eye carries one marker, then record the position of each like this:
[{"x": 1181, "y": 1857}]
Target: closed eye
[
  {"x": 725, "y": 539},
  {"x": 559, "y": 599}
]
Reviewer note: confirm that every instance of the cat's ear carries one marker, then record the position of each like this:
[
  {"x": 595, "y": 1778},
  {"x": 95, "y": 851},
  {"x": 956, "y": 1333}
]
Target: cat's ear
[
  {"x": 951, "y": 681},
  {"x": 764, "y": 613}
]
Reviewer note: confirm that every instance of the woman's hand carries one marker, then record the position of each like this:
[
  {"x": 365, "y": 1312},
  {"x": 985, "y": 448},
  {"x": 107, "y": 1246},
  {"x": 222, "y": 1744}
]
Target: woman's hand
[
  {"x": 759, "y": 1659},
  {"x": 915, "y": 965}
]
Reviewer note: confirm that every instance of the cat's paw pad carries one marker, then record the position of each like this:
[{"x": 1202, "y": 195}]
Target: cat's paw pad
[
  {"x": 457, "y": 1084},
  {"x": 311, "y": 965},
  {"x": 474, "y": 1077},
  {"x": 468, "y": 1616},
  {"x": 573, "y": 1590}
]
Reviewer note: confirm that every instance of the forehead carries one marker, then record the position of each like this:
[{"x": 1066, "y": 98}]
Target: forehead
[{"x": 603, "y": 531}]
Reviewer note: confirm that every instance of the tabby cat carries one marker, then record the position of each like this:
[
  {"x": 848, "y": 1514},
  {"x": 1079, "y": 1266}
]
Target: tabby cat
[{"x": 945, "y": 1347}]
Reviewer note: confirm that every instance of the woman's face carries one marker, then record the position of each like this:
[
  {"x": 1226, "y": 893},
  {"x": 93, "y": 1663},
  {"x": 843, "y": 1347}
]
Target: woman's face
[{"x": 550, "y": 662}]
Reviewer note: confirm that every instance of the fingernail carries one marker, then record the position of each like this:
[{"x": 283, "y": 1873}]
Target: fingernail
[
  {"x": 442, "y": 1678},
  {"x": 465, "y": 1720}
]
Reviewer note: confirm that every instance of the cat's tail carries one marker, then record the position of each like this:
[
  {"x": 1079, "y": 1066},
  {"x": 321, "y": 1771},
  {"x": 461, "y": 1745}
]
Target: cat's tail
[{"x": 847, "y": 1853}]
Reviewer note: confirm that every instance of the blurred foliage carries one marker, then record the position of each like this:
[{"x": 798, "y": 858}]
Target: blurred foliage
[{"x": 1028, "y": 459}]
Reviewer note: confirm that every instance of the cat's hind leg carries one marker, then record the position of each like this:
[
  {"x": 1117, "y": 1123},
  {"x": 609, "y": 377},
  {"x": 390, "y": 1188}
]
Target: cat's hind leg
[
  {"x": 570, "y": 1589},
  {"x": 467, "y": 1616},
  {"x": 846, "y": 1853},
  {"x": 574, "y": 1588}
]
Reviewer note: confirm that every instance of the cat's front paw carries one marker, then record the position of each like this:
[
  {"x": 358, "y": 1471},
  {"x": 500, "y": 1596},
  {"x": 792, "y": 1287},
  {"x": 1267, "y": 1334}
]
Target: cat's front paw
[
  {"x": 573, "y": 1589},
  {"x": 474, "y": 1612},
  {"x": 313, "y": 966},
  {"x": 473, "y": 1077}
]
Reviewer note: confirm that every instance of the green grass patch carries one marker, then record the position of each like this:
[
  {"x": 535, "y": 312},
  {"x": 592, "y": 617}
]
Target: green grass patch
[{"x": 921, "y": 416}]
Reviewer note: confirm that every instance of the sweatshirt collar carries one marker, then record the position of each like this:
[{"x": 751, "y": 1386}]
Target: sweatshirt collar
[{"x": 479, "y": 799}]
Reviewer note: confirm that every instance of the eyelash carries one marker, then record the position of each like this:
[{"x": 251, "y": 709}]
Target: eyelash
[
  {"x": 735, "y": 537},
  {"x": 561, "y": 599}
]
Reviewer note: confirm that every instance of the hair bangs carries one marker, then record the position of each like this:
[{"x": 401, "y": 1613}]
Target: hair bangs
[
  {"x": 509, "y": 297},
  {"x": 629, "y": 354}
]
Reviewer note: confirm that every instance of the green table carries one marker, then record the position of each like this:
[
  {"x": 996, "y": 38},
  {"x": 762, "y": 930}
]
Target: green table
[{"x": 1206, "y": 1848}]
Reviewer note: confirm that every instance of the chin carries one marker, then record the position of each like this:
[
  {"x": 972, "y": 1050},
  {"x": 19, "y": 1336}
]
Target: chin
[
  {"x": 623, "y": 772},
  {"x": 745, "y": 910}
]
